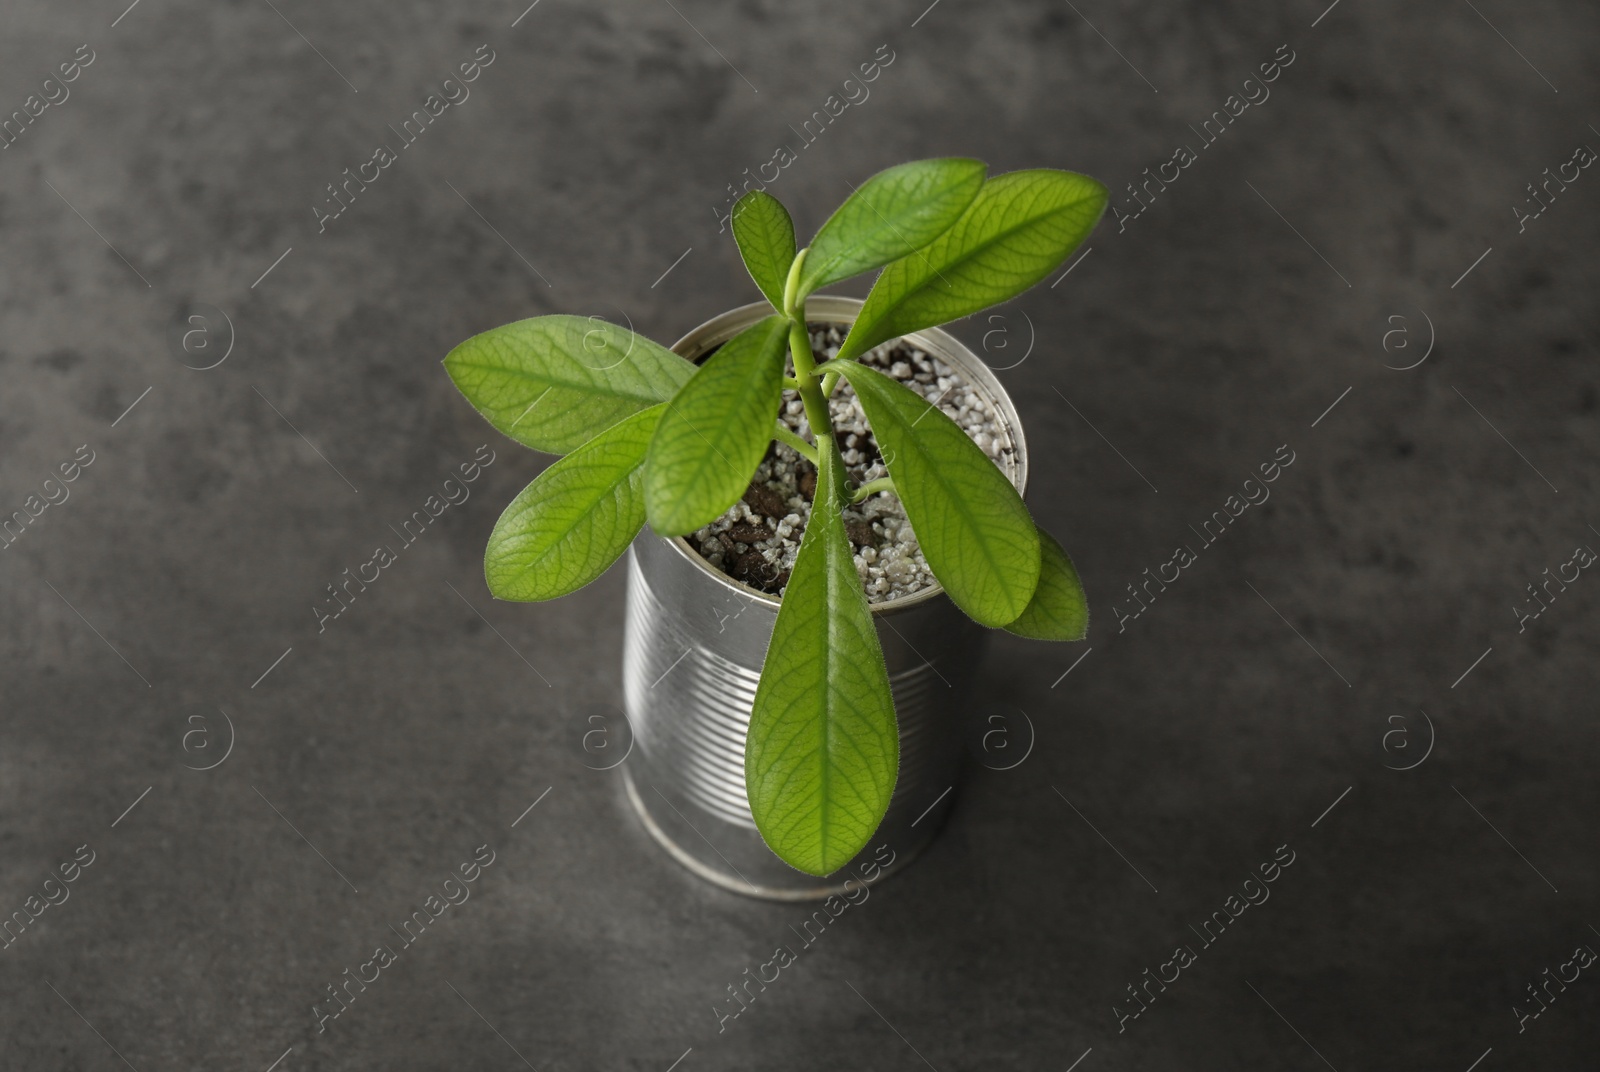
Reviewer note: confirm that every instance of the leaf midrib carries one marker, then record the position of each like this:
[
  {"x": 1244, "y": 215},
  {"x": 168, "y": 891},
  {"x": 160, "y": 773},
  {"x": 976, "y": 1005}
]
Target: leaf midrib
[
  {"x": 829, "y": 697},
  {"x": 728, "y": 414},
  {"x": 892, "y": 307},
  {"x": 958, "y": 501},
  {"x": 872, "y": 235},
  {"x": 773, "y": 236},
  {"x": 553, "y": 381},
  {"x": 588, "y": 508}
]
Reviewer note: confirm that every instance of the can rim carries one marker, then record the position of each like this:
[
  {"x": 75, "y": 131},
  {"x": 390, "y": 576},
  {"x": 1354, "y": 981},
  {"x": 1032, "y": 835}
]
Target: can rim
[{"x": 841, "y": 310}]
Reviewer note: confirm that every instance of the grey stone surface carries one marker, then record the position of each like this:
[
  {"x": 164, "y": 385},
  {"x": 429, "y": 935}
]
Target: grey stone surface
[{"x": 1252, "y": 695}]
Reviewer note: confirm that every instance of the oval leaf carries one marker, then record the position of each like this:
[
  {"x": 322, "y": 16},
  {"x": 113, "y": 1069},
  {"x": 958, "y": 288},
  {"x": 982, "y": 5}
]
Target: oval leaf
[
  {"x": 553, "y": 382},
  {"x": 1016, "y": 231},
  {"x": 765, "y": 235},
  {"x": 895, "y": 212},
  {"x": 823, "y": 750},
  {"x": 568, "y": 526},
  {"x": 974, "y": 530},
  {"x": 716, "y": 430},
  {"x": 1059, "y": 609}
]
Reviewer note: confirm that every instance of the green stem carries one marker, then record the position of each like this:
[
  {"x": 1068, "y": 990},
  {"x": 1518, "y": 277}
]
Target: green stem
[
  {"x": 805, "y": 372},
  {"x": 805, "y": 363},
  {"x": 829, "y": 380},
  {"x": 806, "y": 450},
  {"x": 790, "y": 383},
  {"x": 872, "y": 487}
]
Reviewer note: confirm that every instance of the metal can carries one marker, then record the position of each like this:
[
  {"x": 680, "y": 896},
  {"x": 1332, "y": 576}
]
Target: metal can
[{"x": 694, "y": 644}]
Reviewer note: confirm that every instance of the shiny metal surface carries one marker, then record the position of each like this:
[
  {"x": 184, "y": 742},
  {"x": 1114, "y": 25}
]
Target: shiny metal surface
[{"x": 694, "y": 644}]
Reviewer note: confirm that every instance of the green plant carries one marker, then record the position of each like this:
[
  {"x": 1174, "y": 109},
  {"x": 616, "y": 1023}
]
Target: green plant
[{"x": 648, "y": 436}]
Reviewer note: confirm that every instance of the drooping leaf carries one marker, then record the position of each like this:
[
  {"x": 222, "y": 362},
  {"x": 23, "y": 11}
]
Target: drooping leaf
[
  {"x": 823, "y": 751},
  {"x": 1059, "y": 609},
  {"x": 568, "y": 526},
  {"x": 974, "y": 530},
  {"x": 1013, "y": 234},
  {"x": 893, "y": 213},
  {"x": 554, "y": 382},
  {"x": 716, "y": 430},
  {"x": 765, "y": 236}
]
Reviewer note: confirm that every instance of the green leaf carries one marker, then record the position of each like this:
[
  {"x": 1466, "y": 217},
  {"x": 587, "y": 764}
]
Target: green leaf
[
  {"x": 974, "y": 530},
  {"x": 765, "y": 234},
  {"x": 823, "y": 751},
  {"x": 568, "y": 526},
  {"x": 716, "y": 430},
  {"x": 1016, "y": 231},
  {"x": 891, "y": 214},
  {"x": 1059, "y": 609},
  {"x": 553, "y": 382}
]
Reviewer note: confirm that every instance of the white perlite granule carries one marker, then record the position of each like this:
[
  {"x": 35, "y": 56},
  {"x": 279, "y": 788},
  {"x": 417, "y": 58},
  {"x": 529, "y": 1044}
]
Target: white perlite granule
[{"x": 757, "y": 540}]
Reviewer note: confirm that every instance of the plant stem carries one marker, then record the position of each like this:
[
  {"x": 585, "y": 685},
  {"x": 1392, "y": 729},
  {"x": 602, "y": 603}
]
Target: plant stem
[
  {"x": 805, "y": 363},
  {"x": 806, "y": 450},
  {"x": 872, "y": 487},
  {"x": 829, "y": 379},
  {"x": 791, "y": 383},
  {"x": 805, "y": 367}
]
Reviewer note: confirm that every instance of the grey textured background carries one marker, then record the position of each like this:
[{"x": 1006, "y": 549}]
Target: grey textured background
[{"x": 596, "y": 147}]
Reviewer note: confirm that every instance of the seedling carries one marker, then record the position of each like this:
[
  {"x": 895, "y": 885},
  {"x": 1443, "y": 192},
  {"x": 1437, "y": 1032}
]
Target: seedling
[{"x": 648, "y": 436}]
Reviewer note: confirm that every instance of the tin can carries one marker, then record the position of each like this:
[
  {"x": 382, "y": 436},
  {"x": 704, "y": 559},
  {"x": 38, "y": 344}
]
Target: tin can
[{"x": 694, "y": 644}]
